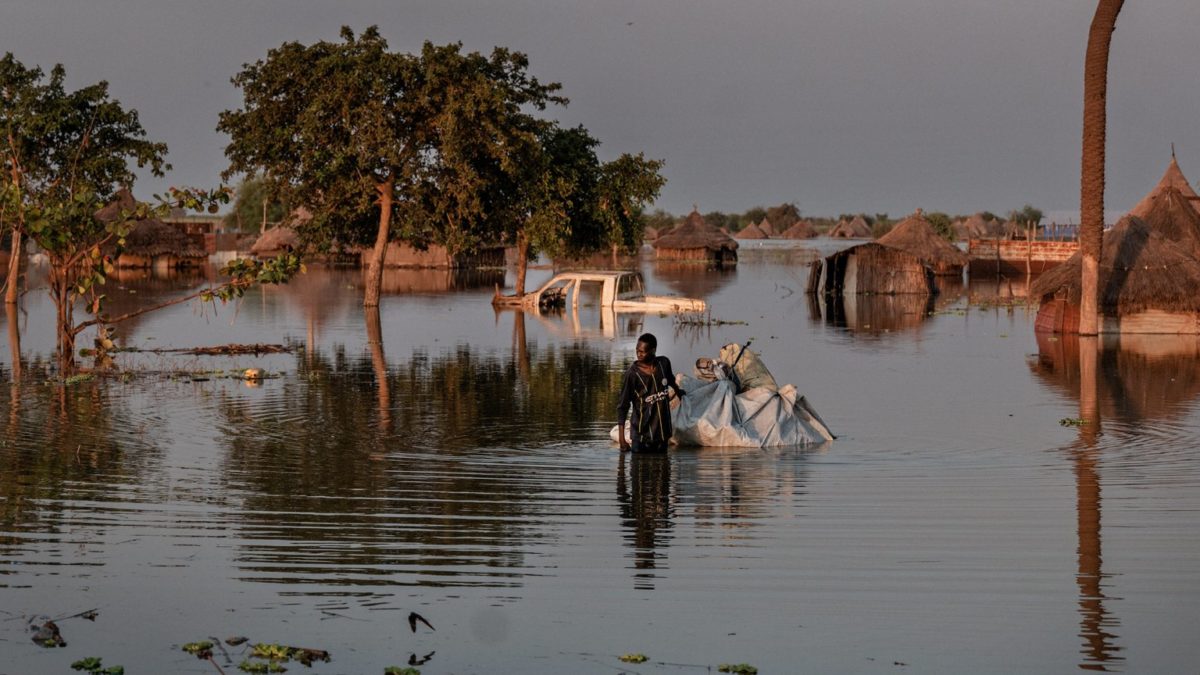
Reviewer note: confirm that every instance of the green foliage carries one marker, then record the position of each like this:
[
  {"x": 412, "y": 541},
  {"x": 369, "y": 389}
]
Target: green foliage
[
  {"x": 783, "y": 216},
  {"x": 754, "y": 215},
  {"x": 93, "y": 666},
  {"x": 1027, "y": 216},
  {"x": 248, "y": 666},
  {"x": 738, "y": 668},
  {"x": 626, "y": 185},
  {"x": 633, "y": 658},
  {"x": 252, "y": 194},
  {"x": 941, "y": 224},
  {"x": 397, "y": 670}
]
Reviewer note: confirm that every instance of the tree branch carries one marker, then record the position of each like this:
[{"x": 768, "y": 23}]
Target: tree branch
[{"x": 145, "y": 310}]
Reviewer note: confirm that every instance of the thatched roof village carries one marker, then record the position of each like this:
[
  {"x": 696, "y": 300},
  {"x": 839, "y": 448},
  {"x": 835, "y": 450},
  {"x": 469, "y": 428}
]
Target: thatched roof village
[
  {"x": 274, "y": 241},
  {"x": 857, "y": 228},
  {"x": 916, "y": 235},
  {"x": 751, "y": 231},
  {"x": 767, "y": 228},
  {"x": 694, "y": 239},
  {"x": 801, "y": 230},
  {"x": 151, "y": 242}
]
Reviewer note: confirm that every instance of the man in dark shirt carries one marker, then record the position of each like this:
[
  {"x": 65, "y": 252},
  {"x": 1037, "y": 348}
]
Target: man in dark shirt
[{"x": 646, "y": 391}]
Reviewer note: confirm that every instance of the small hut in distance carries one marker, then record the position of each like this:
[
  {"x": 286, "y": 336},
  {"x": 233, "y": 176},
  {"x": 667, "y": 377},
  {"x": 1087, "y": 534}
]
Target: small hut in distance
[
  {"x": 767, "y": 228},
  {"x": 801, "y": 230},
  {"x": 151, "y": 243},
  {"x": 871, "y": 268},
  {"x": 752, "y": 231},
  {"x": 916, "y": 235},
  {"x": 857, "y": 228},
  {"x": 696, "y": 240}
]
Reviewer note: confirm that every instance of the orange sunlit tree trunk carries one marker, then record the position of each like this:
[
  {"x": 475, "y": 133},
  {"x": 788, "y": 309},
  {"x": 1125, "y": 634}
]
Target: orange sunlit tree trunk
[{"x": 1091, "y": 189}]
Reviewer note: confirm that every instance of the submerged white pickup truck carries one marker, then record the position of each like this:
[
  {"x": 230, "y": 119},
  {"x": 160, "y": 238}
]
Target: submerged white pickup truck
[{"x": 623, "y": 291}]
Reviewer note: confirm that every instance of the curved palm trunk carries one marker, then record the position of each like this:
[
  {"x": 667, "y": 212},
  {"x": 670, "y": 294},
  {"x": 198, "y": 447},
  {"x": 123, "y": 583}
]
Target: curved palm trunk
[
  {"x": 375, "y": 269},
  {"x": 1091, "y": 211}
]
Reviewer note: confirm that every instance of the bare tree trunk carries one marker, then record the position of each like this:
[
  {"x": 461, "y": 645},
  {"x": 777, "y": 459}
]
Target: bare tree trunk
[
  {"x": 60, "y": 289},
  {"x": 522, "y": 261},
  {"x": 615, "y": 259},
  {"x": 14, "y": 339},
  {"x": 1091, "y": 189},
  {"x": 14, "y": 269},
  {"x": 375, "y": 269}
]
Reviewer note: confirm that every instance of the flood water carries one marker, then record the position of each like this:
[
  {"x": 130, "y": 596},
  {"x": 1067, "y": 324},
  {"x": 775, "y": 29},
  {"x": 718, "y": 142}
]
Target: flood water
[{"x": 459, "y": 467}]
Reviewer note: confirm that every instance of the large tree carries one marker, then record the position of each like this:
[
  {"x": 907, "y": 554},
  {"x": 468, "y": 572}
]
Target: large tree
[
  {"x": 1091, "y": 187},
  {"x": 378, "y": 145},
  {"x": 65, "y": 156},
  {"x": 626, "y": 185}
]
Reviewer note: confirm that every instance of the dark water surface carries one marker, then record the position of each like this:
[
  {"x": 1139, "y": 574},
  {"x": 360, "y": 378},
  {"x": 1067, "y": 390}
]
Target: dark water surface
[{"x": 460, "y": 468}]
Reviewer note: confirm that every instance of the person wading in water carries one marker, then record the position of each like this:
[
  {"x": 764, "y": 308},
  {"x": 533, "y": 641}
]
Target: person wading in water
[{"x": 646, "y": 390}]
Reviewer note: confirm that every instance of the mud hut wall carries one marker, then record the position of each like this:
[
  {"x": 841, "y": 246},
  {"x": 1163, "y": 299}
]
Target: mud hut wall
[{"x": 878, "y": 269}]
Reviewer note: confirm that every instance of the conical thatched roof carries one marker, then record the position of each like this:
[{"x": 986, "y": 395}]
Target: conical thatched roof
[
  {"x": 853, "y": 229},
  {"x": 766, "y": 227},
  {"x": 123, "y": 201},
  {"x": 751, "y": 231},
  {"x": 274, "y": 240},
  {"x": 649, "y": 234},
  {"x": 1140, "y": 270},
  {"x": 1170, "y": 215},
  {"x": 959, "y": 227},
  {"x": 801, "y": 230},
  {"x": 916, "y": 235},
  {"x": 693, "y": 232},
  {"x": 1172, "y": 178}
]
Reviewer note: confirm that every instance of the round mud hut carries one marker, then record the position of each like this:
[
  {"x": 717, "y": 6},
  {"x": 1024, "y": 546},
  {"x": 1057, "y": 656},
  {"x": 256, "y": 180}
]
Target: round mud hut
[
  {"x": 1148, "y": 284},
  {"x": 916, "y": 236},
  {"x": 696, "y": 240},
  {"x": 150, "y": 243},
  {"x": 871, "y": 268},
  {"x": 275, "y": 241}
]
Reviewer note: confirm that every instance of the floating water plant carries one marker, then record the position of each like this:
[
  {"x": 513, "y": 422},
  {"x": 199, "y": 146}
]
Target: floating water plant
[
  {"x": 633, "y": 658},
  {"x": 1072, "y": 421},
  {"x": 201, "y": 649},
  {"x": 738, "y": 669},
  {"x": 93, "y": 666},
  {"x": 397, "y": 670}
]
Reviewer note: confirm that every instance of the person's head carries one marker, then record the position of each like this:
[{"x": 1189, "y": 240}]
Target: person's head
[{"x": 647, "y": 346}]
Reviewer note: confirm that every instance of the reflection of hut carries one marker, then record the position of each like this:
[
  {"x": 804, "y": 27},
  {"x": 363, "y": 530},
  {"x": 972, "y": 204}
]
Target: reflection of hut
[
  {"x": 1172, "y": 178},
  {"x": 751, "y": 231},
  {"x": 695, "y": 239},
  {"x": 916, "y": 235},
  {"x": 275, "y": 241},
  {"x": 1140, "y": 377},
  {"x": 871, "y": 268},
  {"x": 851, "y": 229},
  {"x": 1147, "y": 285},
  {"x": 874, "y": 314},
  {"x": 801, "y": 230},
  {"x": 692, "y": 280}
]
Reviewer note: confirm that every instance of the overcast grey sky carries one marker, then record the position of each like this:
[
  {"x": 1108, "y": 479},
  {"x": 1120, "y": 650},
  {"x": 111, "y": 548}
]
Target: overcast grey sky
[{"x": 837, "y": 105}]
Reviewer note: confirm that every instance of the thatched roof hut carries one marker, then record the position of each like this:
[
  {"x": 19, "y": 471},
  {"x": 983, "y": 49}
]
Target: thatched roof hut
[
  {"x": 649, "y": 234},
  {"x": 852, "y": 229},
  {"x": 916, "y": 235},
  {"x": 695, "y": 239},
  {"x": 1170, "y": 215},
  {"x": 274, "y": 241},
  {"x": 767, "y": 228},
  {"x": 979, "y": 228},
  {"x": 1147, "y": 285},
  {"x": 871, "y": 268},
  {"x": 151, "y": 242},
  {"x": 751, "y": 231},
  {"x": 801, "y": 230},
  {"x": 1172, "y": 178}
]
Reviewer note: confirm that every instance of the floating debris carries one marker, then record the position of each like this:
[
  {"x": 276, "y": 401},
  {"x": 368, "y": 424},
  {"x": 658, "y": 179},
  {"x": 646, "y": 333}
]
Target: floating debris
[
  {"x": 738, "y": 669},
  {"x": 47, "y": 635},
  {"x": 633, "y": 658}
]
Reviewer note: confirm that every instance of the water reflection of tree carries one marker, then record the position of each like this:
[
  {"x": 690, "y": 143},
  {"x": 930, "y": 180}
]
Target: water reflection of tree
[
  {"x": 646, "y": 511},
  {"x": 444, "y": 498},
  {"x": 61, "y": 443}
]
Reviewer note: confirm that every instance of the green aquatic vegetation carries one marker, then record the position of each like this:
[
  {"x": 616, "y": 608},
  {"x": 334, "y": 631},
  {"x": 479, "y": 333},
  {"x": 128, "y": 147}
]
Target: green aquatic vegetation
[
  {"x": 271, "y": 651},
  {"x": 737, "y": 669},
  {"x": 201, "y": 649},
  {"x": 633, "y": 658},
  {"x": 79, "y": 378},
  {"x": 397, "y": 670},
  {"x": 1072, "y": 421},
  {"x": 93, "y": 666}
]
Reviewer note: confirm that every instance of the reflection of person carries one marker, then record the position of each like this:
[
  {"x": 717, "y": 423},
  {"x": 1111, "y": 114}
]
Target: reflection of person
[
  {"x": 646, "y": 511},
  {"x": 645, "y": 394}
]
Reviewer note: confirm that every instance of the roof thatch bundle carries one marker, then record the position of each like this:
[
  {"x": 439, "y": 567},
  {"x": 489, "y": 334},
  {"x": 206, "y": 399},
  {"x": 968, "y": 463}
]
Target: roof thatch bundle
[
  {"x": 275, "y": 240},
  {"x": 152, "y": 238},
  {"x": 1172, "y": 178},
  {"x": 751, "y": 231},
  {"x": 1140, "y": 270},
  {"x": 1170, "y": 215},
  {"x": 122, "y": 201},
  {"x": 694, "y": 239},
  {"x": 853, "y": 229},
  {"x": 801, "y": 230},
  {"x": 916, "y": 235}
]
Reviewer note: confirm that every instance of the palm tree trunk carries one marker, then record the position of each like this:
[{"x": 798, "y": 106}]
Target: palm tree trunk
[
  {"x": 375, "y": 269},
  {"x": 1091, "y": 188}
]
